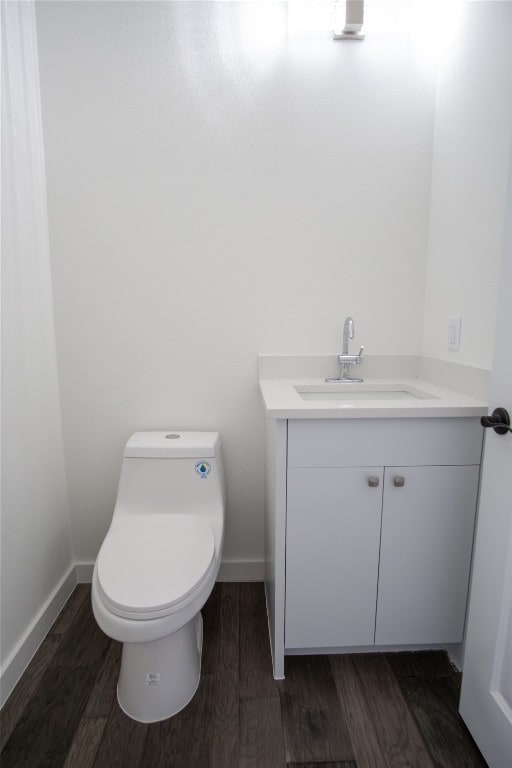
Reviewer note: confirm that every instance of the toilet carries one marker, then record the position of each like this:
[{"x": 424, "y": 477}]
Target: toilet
[{"x": 157, "y": 566}]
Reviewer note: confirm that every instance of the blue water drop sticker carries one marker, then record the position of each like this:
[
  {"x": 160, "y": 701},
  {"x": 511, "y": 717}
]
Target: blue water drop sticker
[{"x": 203, "y": 469}]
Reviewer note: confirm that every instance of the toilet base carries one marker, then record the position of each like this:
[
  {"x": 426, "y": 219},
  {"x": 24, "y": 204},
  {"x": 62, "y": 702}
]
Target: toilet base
[{"x": 159, "y": 678}]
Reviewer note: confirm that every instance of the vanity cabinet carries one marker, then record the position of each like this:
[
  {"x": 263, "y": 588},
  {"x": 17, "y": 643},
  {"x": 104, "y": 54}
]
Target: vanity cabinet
[
  {"x": 378, "y": 564},
  {"x": 375, "y": 546}
]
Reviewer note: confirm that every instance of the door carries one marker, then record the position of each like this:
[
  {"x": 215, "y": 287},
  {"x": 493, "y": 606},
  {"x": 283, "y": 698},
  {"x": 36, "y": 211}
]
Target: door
[
  {"x": 486, "y": 698},
  {"x": 428, "y": 521},
  {"x": 332, "y": 556}
]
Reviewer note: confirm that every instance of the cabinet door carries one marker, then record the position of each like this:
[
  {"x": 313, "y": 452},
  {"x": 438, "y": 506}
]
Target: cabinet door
[
  {"x": 332, "y": 553},
  {"x": 426, "y": 543}
]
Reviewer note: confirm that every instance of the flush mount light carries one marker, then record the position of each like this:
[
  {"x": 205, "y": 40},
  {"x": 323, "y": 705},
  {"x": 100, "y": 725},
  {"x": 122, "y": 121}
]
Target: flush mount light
[{"x": 354, "y": 15}]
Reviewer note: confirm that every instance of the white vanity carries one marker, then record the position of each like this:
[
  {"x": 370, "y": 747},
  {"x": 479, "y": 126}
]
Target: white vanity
[{"x": 371, "y": 493}]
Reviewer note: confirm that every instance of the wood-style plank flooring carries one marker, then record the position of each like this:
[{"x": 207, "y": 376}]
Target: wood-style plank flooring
[{"x": 351, "y": 711}]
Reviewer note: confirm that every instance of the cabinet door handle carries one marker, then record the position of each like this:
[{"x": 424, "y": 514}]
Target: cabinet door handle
[
  {"x": 398, "y": 481},
  {"x": 373, "y": 481}
]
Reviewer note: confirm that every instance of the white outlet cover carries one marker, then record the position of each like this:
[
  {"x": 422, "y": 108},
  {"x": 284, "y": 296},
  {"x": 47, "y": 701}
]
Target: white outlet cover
[{"x": 454, "y": 324}]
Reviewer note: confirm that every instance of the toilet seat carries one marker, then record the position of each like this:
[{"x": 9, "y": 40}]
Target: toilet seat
[{"x": 148, "y": 566}]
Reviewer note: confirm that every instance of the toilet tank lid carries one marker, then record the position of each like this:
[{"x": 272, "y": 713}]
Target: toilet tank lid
[{"x": 173, "y": 444}]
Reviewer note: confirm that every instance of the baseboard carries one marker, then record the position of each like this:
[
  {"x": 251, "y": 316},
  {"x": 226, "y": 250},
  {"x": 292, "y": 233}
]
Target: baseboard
[
  {"x": 22, "y": 653},
  {"x": 241, "y": 570},
  {"x": 84, "y": 572},
  {"x": 230, "y": 570},
  {"x": 456, "y": 655},
  {"x": 81, "y": 573}
]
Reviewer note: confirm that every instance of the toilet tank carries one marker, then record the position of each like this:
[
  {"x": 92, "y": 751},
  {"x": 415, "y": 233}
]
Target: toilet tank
[{"x": 171, "y": 472}]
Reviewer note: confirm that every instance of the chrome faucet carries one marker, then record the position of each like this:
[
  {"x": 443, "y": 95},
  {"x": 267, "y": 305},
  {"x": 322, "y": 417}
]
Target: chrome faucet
[{"x": 344, "y": 360}]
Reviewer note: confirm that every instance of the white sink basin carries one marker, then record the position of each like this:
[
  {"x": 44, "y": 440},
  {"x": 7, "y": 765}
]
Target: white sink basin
[
  {"x": 309, "y": 398},
  {"x": 355, "y": 392}
]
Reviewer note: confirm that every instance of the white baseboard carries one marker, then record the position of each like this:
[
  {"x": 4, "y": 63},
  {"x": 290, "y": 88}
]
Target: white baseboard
[
  {"x": 81, "y": 573},
  {"x": 230, "y": 570},
  {"x": 241, "y": 570},
  {"x": 25, "y": 648},
  {"x": 456, "y": 655},
  {"x": 84, "y": 572}
]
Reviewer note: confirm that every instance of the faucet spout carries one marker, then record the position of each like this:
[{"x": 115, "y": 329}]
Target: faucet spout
[
  {"x": 348, "y": 333},
  {"x": 345, "y": 359}
]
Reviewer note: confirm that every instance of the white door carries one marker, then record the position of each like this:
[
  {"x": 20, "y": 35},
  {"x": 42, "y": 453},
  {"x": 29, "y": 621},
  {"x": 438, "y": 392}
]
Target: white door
[{"x": 486, "y": 698}]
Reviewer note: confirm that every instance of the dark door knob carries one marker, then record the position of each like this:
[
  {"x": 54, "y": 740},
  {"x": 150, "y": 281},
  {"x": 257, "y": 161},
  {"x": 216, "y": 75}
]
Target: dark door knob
[{"x": 499, "y": 421}]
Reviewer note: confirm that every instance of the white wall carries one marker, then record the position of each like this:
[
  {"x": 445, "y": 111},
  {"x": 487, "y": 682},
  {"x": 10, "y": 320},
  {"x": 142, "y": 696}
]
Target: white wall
[
  {"x": 218, "y": 189},
  {"x": 35, "y": 548},
  {"x": 473, "y": 129}
]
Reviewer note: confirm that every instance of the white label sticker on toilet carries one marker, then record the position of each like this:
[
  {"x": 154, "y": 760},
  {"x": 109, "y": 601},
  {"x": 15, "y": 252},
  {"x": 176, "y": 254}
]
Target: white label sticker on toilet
[{"x": 153, "y": 678}]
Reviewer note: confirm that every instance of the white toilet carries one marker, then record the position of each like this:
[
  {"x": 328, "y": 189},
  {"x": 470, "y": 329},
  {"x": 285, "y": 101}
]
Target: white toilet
[{"x": 157, "y": 567}]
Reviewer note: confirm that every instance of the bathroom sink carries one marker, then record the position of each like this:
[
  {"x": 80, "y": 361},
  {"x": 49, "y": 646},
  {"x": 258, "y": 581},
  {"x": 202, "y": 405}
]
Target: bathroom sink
[
  {"x": 383, "y": 398},
  {"x": 353, "y": 392}
]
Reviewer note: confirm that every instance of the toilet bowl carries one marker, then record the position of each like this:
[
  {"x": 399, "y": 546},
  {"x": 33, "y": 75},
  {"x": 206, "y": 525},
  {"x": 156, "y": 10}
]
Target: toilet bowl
[{"x": 157, "y": 566}]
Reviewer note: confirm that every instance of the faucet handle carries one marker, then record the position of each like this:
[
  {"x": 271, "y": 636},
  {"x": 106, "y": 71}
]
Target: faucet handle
[{"x": 360, "y": 355}]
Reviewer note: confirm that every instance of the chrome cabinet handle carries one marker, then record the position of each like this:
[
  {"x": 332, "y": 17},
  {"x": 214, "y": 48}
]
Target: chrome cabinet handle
[
  {"x": 373, "y": 481},
  {"x": 398, "y": 481}
]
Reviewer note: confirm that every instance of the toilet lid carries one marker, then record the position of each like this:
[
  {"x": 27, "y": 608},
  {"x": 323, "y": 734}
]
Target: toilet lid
[{"x": 150, "y": 565}]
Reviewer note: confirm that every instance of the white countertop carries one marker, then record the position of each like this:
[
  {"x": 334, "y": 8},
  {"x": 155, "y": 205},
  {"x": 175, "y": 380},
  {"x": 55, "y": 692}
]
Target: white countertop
[{"x": 282, "y": 400}]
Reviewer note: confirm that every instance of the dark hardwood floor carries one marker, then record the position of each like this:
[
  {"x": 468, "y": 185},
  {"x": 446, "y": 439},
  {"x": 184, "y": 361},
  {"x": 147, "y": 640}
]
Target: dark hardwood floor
[{"x": 358, "y": 711}]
